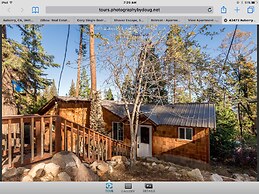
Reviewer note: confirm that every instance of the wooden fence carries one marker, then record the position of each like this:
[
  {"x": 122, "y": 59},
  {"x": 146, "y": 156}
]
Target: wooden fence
[{"x": 32, "y": 138}]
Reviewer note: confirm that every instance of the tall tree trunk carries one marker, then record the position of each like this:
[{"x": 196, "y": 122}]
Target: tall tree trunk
[
  {"x": 4, "y": 31},
  {"x": 92, "y": 59},
  {"x": 79, "y": 61},
  {"x": 133, "y": 146}
]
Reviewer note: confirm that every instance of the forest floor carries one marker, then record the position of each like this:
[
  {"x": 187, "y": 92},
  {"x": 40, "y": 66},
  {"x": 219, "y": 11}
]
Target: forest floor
[{"x": 165, "y": 171}]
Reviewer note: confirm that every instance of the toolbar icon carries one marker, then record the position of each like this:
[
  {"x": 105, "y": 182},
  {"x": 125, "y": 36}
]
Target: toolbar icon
[
  {"x": 251, "y": 9},
  {"x": 35, "y": 10},
  {"x": 109, "y": 185},
  {"x": 148, "y": 185},
  {"x": 237, "y": 9},
  {"x": 223, "y": 9},
  {"x": 128, "y": 185}
]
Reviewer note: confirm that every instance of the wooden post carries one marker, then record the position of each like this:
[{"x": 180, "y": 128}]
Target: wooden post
[
  {"x": 38, "y": 137},
  {"x": 14, "y": 137},
  {"x": 84, "y": 143},
  {"x": 94, "y": 153},
  {"x": 110, "y": 148},
  {"x": 32, "y": 139},
  {"x": 62, "y": 135},
  {"x": 78, "y": 140},
  {"x": 58, "y": 134},
  {"x": 65, "y": 134},
  {"x": 9, "y": 144},
  {"x": 42, "y": 125},
  {"x": 117, "y": 149},
  {"x": 102, "y": 151},
  {"x": 72, "y": 142},
  {"x": 89, "y": 142},
  {"x": 106, "y": 148},
  {"x": 98, "y": 147},
  {"x": 22, "y": 140},
  {"x": 50, "y": 135}
]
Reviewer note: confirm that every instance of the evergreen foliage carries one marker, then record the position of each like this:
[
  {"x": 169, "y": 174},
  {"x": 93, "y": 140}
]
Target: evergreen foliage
[
  {"x": 108, "y": 94},
  {"x": 85, "y": 90},
  {"x": 72, "y": 89}
]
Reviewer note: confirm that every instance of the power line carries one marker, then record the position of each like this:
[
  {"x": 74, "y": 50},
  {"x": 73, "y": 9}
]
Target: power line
[
  {"x": 65, "y": 55},
  {"x": 230, "y": 46}
]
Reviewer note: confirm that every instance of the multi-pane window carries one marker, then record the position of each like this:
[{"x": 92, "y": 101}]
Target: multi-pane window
[
  {"x": 185, "y": 133},
  {"x": 117, "y": 131}
]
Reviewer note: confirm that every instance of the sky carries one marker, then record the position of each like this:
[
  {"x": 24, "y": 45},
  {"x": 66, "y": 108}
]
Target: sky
[{"x": 54, "y": 38}]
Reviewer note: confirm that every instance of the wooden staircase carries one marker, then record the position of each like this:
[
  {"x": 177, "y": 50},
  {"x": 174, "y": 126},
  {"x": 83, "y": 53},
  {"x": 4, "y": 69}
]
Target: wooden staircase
[{"x": 33, "y": 138}]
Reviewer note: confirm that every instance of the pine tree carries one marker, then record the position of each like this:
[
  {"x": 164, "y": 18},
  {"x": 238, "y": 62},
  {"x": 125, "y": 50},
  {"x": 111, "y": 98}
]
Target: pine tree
[
  {"x": 53, "y": 89},
  {"x": 36, "y": 60},
  {"x": 81, "y": 54},
  {"x": 84, "y": 85},
  {"x": 109, "y": 95},
  {"x": 96, "y": 114},
  {"x": 50, "y": 91},
  {"x": 72, "y": 90}
]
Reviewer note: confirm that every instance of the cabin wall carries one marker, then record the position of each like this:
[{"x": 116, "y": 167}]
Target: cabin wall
[
  {"x": 78, "y": 112},
  {"x": 108, "y": 118},
  {"x": 165, "y": 141}
]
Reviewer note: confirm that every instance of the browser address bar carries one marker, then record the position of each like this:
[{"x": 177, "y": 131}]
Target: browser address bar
[{"x": 129, "y": 9}]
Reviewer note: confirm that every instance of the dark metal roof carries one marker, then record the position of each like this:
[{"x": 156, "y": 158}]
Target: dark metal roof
[{"x": 189, "y": 114}]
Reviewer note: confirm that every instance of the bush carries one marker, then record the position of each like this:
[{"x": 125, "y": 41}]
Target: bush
[
  {"x": 223, "y": 140},
  {"x": 246, "y": 156}
]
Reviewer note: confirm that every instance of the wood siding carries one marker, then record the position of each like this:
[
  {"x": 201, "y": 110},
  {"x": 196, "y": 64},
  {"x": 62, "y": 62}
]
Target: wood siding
[
  {"x": 164, "y": 138},
  {"x": 76, "y": 112},
  {"x": 166, "y": 141}
]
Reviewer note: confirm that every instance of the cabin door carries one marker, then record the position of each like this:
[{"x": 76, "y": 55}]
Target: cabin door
[{"x": 144, "y": 141}]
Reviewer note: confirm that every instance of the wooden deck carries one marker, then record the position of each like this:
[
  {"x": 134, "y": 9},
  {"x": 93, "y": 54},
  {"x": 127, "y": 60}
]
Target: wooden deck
[{"x": 32, "y": 138}]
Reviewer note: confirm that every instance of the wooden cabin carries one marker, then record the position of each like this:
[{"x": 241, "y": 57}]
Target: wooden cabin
[{"x": 169, "y": 130}]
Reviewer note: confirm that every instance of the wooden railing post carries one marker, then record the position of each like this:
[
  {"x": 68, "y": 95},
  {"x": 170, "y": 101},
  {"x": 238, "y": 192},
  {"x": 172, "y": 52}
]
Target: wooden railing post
[
  {"x": 58, "y": 134},
  {"x": 65, "y": 135},
  {"x": 77, "y": 141},
  {"x": 22, "y": 140},
  {"x": 106, "y": 148},
  {"x": 62, "y": 131},
  {"x": 84, "y": 143},
  {"x": 32, "y": 139},
  {"x": 38, "y": 137},
  {"x": 110, "y": 148},
  {"x": 94, "y": 152},
  {"x": 42, "y": 125},
  {"x": 50, "y": 135},
  {"x": 98, "y": 146},
  {"x": 72, "y": 137},
  {"x": 89, "y": 144},
  {"x": 9, "y": 144}
]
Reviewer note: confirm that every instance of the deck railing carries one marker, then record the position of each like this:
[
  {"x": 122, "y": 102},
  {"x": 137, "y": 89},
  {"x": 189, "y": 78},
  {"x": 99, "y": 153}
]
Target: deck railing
[{"x": 29, "y": 139}]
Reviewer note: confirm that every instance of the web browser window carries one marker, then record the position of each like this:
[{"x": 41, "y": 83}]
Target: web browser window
[{"x": 129, "y": 96}]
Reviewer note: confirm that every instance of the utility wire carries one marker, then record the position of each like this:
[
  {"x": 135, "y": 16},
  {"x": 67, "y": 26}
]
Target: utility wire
[
  {"x": 64, "y": 60},
  {"x": 230, "y": 46}
]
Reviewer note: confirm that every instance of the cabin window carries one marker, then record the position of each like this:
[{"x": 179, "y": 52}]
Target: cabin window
[
  {"x": 117, "y": 131},
  {"x": 185, "y": 133}
]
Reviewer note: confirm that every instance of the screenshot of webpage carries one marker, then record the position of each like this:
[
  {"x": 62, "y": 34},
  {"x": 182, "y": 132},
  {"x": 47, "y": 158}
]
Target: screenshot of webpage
[{"x": 129, "y": 96}]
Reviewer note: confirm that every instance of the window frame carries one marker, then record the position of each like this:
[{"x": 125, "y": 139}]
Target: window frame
[
  {"x": 118, "y": 123},
  {"x": 185, "y": 129}
]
